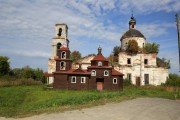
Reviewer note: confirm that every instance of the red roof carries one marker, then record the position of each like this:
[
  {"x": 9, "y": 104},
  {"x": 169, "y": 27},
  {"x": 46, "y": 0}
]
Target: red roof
[
  {"x": 64, "y": 49},
  {"x": 48, "y": 74},
  {"x": 100, "y": 67},
  {"x": 115, "y": 72},
  {"x": 74, "y": 71},
  {"x": 99, "y": 57}
]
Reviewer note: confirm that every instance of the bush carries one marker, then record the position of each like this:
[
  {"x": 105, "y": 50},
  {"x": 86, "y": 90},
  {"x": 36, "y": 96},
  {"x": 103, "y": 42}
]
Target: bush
[
  {"x": 127, "y": 82},
  {"x": 173, "y": 80}
]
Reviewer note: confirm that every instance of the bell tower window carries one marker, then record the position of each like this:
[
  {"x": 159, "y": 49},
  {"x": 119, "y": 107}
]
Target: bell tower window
[
  {"x": 62, "y": 65},
  {"x": 63, "y": 55},
  {"x": 59, "y": 45},
  {"x": 59, "y": 32},
  {"x": 129, "y": 61}
]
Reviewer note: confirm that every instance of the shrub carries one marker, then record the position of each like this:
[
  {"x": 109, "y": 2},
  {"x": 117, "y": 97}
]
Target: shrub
[
  {"x": 173, "y": 80},
  {"x": 127, "y": 82}
]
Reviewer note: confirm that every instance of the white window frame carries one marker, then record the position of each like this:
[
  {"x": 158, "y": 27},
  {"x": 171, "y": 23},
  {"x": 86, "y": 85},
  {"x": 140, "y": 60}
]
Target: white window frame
[
  {"x": 84, "y": 80},
  {"x": 107, "y": 73},
  {"x": 64, "y": 65},
  {"x": 94, "y": 73},
  {"x": 64, "y": 54},
  {"x": 100, "y": 63},
  {"x": 114, "y": 81},
  {"x": 72, "y": 79}
]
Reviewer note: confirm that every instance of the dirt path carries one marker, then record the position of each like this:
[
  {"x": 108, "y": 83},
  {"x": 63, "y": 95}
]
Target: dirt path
[{"x": 137, "y": 109}]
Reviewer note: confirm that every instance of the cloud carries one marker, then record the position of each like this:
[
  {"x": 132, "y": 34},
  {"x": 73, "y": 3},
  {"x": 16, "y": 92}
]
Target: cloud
[
  {"x": 155, "y": 29},
  {"x": 148, "y": 6},
  {"x": 27, "y": 27}
]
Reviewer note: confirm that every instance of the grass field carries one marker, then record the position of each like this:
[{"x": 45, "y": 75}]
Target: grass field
[{"x": 20, "y": 101}]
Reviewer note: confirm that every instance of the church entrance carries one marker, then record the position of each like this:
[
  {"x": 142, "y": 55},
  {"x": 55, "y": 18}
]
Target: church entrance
[{"x": 100, "y": 83}]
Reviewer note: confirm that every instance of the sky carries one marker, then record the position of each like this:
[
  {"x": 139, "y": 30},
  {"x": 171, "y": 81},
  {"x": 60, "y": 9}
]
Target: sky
[{"x": 28, "y": 26}]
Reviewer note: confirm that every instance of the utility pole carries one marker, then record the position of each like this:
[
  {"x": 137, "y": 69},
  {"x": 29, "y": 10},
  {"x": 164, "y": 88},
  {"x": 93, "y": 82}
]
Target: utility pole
[{"x": 178, "y": 31}]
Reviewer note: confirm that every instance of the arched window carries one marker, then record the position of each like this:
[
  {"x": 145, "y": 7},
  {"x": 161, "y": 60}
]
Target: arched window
[
  {"x": 63, "y": 55},
  {"x": 59, "y": 45},
  {"x": 62, "y": 65},
  {"x": 99, "y": 63},
  {"x": 93, "y": 73},
  {"x": 59, "y": 32},
  {"x": 73, "y": 79},
  {"x": 114, "y": 80},
  {"x": 106, "y": 73}
]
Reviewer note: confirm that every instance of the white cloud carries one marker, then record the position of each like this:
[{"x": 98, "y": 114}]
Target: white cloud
[
  {"x": 149, "y": 6},
  {"x": 155, "y": 29}
]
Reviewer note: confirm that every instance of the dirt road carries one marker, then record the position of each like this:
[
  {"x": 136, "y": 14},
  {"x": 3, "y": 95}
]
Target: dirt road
[{"x": 137, "y": 109}]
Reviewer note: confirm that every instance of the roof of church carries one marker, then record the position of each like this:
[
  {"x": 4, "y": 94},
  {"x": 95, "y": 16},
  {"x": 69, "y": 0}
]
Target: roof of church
[
  {"x": 64, "y": 49},
  {"x": 99, "y": 57},
  {"x": 115, "y": 72},
  {"x": 75, "y": 72},
  {"x": 100, "y": 67},
  {"x": 132, "y": 33}
]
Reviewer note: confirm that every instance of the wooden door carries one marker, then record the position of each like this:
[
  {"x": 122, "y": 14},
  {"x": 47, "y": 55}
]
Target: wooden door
[
  {"x": 146, "y": 79},
  {"x": 100, "y": 86},
  {"x": 138, "y": 81},
  {"x": 100, "y": 83}
]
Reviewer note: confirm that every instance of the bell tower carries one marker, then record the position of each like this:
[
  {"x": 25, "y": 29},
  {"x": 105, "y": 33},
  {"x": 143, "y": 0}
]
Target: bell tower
[{"x": 60, "y": 39}]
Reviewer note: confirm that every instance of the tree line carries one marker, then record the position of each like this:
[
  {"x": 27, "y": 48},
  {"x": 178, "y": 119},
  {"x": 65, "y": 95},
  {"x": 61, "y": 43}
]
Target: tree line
[{"x": 7, "y": 73}]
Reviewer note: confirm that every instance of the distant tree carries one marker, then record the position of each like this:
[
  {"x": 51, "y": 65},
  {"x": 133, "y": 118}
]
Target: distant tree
[
  {"x": 116, "y": 50},
  {"x": 163, "y": 63},
  {"x": 132, "y": 46},
  {"x": 151, "y": 48},
  {"x": 75, "y": 56},
  {"x": 111, "y": 59},
  {"x": 4, "y": 65}
]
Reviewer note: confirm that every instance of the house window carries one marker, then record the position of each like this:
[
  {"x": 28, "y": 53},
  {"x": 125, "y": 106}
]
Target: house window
[
  {"x": 145, "y": 61},
  {"x": 114, "y": 80},
  {"x": 73, "y": 79},
  {"x": 63, "y": 55},
  {"x": 83, "y": 79},
  {"x": 106, "y": 73},
  {"x": 62, "y": 65},
  {"x": 99, "y": 63},
  {"x": 129, "y": 76},
  {"x": 93, "y": 73},
  {"x": 129, "y": 61}
]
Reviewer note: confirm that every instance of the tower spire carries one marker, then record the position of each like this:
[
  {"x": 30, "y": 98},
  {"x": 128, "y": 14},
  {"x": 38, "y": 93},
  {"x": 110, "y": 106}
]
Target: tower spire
[{"x": 132, "y": 22}]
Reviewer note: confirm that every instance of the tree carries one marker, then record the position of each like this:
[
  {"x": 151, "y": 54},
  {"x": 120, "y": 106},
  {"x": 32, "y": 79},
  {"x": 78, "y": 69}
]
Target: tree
[
  {"x": 132, "y": 46},
  {"x": 75, "y": 56},
  {"x": 116, "y": 50},
  {"x": 163, "y": 63},
  {"x": 151, "y": 48},
  {"x": 4, "y": 65}
]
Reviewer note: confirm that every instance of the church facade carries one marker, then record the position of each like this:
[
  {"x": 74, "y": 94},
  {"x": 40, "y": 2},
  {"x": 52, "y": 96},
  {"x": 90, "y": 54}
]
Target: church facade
[
  {"x": 98, "y": 75},
  {"x": 141, "y": 68}
]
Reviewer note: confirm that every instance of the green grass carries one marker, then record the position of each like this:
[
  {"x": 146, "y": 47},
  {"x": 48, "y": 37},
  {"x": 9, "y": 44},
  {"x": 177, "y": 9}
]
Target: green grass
[{"x": 21, "y": 101}]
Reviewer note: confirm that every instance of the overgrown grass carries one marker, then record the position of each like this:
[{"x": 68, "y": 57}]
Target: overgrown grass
[
  {"x": 19, "y": 101},
  {"x": 18, "y": 82}
]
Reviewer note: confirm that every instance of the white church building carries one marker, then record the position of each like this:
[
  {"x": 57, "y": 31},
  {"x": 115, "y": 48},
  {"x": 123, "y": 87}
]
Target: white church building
[{"x": 140, "y": 68}]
